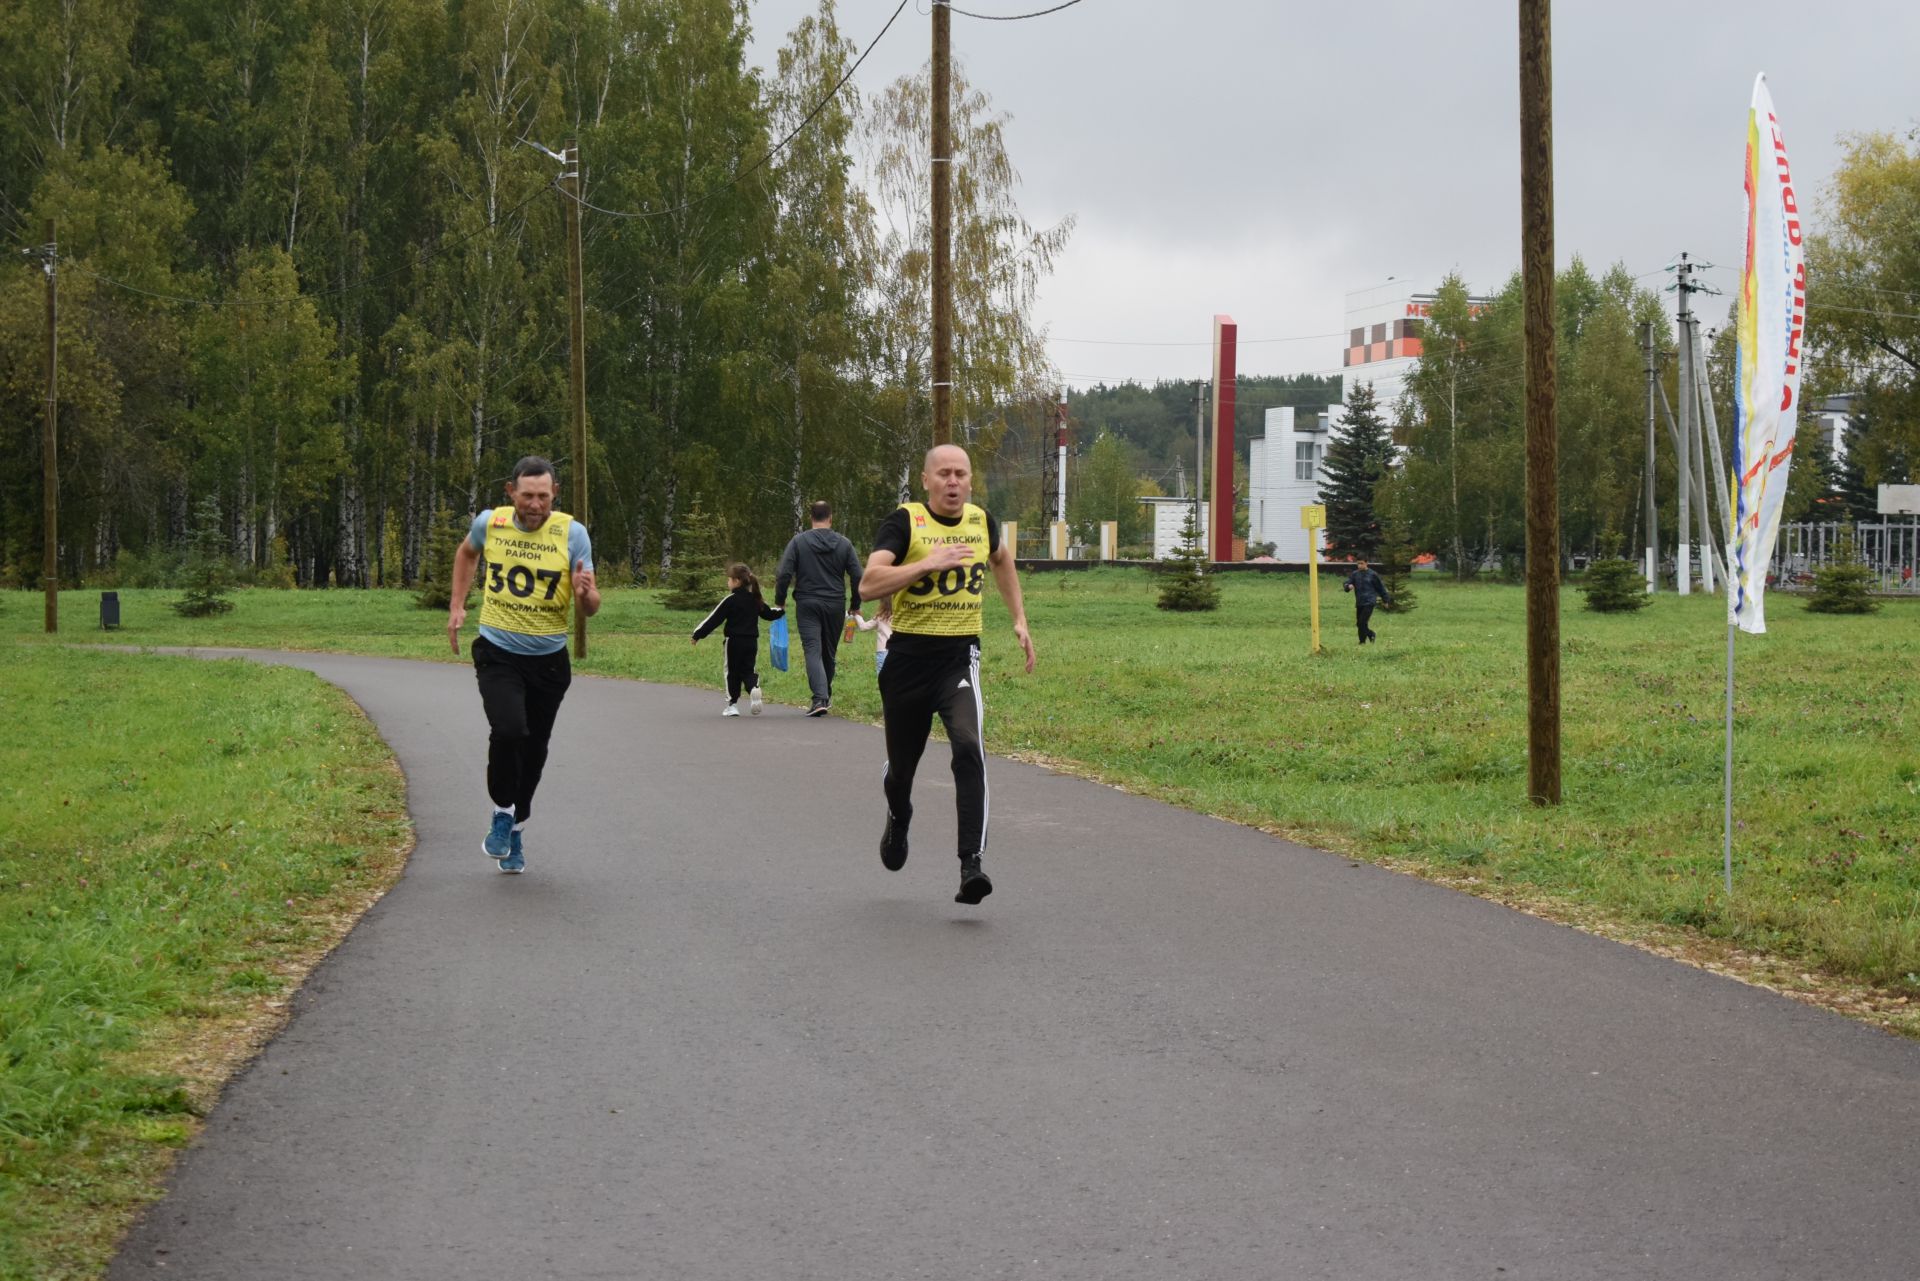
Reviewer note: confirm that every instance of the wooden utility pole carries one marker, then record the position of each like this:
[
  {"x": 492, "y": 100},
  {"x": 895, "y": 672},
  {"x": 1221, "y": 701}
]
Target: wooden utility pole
[
  {"x": 1543, "y": 462},
  {"x": 942, "y": 224},
  {"x": 1048, "y": 455},
  {"x": 50, "y": 440},
  {"x": 577, "y": 344}
]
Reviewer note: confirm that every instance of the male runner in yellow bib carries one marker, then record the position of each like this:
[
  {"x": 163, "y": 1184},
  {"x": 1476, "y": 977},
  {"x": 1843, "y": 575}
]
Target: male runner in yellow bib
[
  {"x": 539, "y": 562},
  {"x": 932, "y": 559}
]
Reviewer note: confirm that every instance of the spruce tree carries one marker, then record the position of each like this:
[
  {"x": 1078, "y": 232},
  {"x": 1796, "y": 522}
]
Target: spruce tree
[
  {"x": 698, "y": 577},
  {"x": 444, "y": 535},
  {"x": 208, "y": 574},
  {"x": 1396, "y": 567},
  {"x": 1857, "y": 500},
  {"x": 1357, "y": 460},
  {"x": 1615, "y": 586},
  {"x": 1845, "y": 585},
  {"x": 1185, "y": 583}
]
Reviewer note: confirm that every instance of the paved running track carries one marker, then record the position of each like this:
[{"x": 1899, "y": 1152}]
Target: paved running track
[{"x": 708, "y": 1036}]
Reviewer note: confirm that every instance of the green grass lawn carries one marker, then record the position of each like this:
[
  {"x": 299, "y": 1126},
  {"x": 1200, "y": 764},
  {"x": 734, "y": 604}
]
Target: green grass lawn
[
  {"x": 1412, "y": 750},
  {"x": 182, "y": 838}
]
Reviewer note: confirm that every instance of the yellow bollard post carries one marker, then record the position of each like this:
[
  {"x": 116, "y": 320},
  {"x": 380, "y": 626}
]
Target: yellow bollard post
[{"x": 1312, "y": 519}]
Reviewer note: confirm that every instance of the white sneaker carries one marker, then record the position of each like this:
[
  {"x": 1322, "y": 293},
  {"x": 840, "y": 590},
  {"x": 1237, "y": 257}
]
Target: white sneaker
[
  {"x": 731, "y": 710},
  {"x": 753, "y": 701}
]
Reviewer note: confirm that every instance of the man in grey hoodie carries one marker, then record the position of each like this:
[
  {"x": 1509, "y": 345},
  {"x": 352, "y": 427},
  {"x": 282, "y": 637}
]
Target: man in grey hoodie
[{"x": 824, "y": 573}]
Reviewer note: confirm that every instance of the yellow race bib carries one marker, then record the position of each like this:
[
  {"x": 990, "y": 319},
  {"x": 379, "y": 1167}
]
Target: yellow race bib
[
  {"x": 529, "y": 583},
  {"x": 947, "y": 603}
]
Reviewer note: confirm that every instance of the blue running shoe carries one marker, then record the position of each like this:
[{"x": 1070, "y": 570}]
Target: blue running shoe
[
  {"x": 516, "y": 859},
  {"x": 498, "y": 843}
]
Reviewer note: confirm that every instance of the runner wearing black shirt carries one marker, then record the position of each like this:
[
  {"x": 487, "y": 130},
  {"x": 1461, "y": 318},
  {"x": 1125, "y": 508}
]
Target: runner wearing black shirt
[
  {"x": 1368, "y": 591},
  {"x": 932, "y": 559}
]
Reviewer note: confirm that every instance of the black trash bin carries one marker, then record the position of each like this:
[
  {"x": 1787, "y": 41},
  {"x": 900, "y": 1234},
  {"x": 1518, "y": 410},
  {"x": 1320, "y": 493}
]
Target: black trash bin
[{"x": 109, "y": 610}]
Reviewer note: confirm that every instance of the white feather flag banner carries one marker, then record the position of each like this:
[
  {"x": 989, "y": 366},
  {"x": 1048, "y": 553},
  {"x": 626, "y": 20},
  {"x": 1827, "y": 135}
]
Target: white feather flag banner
[{"x": 1772, "y": 321}]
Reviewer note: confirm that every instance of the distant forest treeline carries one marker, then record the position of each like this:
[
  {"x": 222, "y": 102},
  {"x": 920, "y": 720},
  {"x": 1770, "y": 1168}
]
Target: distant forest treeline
[
  {"x": 312, "y": 297},
  {"x": 313, "y": 292}
]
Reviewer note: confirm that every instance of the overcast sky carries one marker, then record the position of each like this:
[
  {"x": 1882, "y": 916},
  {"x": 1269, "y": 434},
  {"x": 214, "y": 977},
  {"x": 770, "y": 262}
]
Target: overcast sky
[{"x": 1263, "y": 158}]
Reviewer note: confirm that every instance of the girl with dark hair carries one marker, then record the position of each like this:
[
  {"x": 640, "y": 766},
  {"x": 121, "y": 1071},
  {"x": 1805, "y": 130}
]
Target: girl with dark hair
[{"x": 740, "y": 612}]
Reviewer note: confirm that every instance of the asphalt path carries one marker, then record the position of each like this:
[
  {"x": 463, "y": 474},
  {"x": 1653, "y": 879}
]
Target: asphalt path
[{"x": 709, "y": 1036}]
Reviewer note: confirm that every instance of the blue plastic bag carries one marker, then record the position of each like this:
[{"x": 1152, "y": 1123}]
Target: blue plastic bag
[{"x": 777, "y": 643}]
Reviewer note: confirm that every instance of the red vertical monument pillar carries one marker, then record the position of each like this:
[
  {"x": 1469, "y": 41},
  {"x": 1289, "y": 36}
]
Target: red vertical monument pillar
[{"x": 1220, "y": 536}]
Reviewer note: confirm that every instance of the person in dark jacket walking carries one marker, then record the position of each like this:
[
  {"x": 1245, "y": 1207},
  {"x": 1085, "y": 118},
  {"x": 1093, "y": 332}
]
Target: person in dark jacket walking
[
  {"x": 1367, "y": 591},
  {"x": 740, "y": 612},
  {"x": 824, "y": 572}
]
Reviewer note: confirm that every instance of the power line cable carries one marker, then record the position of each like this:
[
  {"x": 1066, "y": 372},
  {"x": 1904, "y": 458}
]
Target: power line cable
[
  {"x": 1868, "y": 311},
  {"x": 762, "y": 162},
  {"x": 1817, "y": 281},
  {"x": 1244, "y": 342},
  {"x": 1010, "y": 17}
]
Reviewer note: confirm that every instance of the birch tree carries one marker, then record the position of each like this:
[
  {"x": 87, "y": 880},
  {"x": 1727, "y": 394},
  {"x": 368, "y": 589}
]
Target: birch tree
[{"x": 999, "y": 260}]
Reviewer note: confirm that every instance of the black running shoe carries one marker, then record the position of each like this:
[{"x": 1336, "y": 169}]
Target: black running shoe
[
  {"x": 974, "y": 884},
  {"x": 893, "y": 844}
]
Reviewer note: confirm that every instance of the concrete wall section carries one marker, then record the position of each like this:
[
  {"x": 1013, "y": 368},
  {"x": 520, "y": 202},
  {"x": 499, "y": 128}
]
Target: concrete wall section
[{"x": 1169, "y": 521}]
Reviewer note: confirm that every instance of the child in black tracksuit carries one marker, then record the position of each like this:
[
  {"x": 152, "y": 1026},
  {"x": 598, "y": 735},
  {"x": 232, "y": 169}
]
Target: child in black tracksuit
[{"x": 741, "y": 611}]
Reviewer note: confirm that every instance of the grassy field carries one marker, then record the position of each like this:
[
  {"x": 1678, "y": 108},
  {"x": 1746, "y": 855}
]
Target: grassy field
[
  {"x": 183, "y": 840},
  {"x": 1412, "y": 751}
]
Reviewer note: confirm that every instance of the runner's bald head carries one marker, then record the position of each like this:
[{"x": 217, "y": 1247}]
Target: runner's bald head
[
  {"x": 927, "y": 464},
  {"x": 948, "y": 475}
]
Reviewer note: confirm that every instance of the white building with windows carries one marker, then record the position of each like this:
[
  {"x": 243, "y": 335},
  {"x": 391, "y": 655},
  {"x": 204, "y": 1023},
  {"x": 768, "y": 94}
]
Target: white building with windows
[
  {"x": 1832, "y": 420},
  {"x": 1284, "y": 472},
  {"x": 1287, "y": 469},
  {"x": 1383, "y": 340},
  {"x": 1385, "y": 336}
]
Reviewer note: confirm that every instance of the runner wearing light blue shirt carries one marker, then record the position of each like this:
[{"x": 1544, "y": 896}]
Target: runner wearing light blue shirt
[
  {"x": 579, "y": 552},
  {"x": 539, "y": 572}
]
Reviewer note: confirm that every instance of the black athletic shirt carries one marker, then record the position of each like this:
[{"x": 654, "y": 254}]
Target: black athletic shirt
[
  {"x": 739, "y": 613},
  {"x": 895, "y": 536}
]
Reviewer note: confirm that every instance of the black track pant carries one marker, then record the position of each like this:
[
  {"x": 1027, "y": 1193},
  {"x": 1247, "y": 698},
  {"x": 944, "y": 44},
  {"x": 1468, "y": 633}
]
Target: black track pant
[
  {"x": 522, "y": 694},
  {"x": 913, "y": 688},
  {"x": 820, "y": 623},
  {"x": 741, "y": 651},
  {"x": 1361, "y": 613}
]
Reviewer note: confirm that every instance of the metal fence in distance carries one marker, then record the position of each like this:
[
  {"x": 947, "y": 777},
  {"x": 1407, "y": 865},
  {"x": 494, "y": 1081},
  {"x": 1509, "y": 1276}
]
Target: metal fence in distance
[{"x": 1889, "y": 547}]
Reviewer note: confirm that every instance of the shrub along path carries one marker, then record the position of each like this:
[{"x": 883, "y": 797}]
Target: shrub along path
[{"x": 709, "y": 1036}]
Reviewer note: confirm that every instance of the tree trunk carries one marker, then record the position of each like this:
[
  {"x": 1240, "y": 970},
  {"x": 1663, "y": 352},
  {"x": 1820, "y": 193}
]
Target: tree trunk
[
  {"x": 178, "y": 506},
  {"x": 637, "y": 546},
  {"x": 106, "y": 538},
  {"x": 350, "y": 526},
  {"x": 243, "y": 539},
  {"x": 1453, "y": 466},
  {"x": 668, "y": 513},
  {"x": 799, "y": 446},
  {"x": 479, "y": 441},
  {"x": 410, "y": 509}
]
